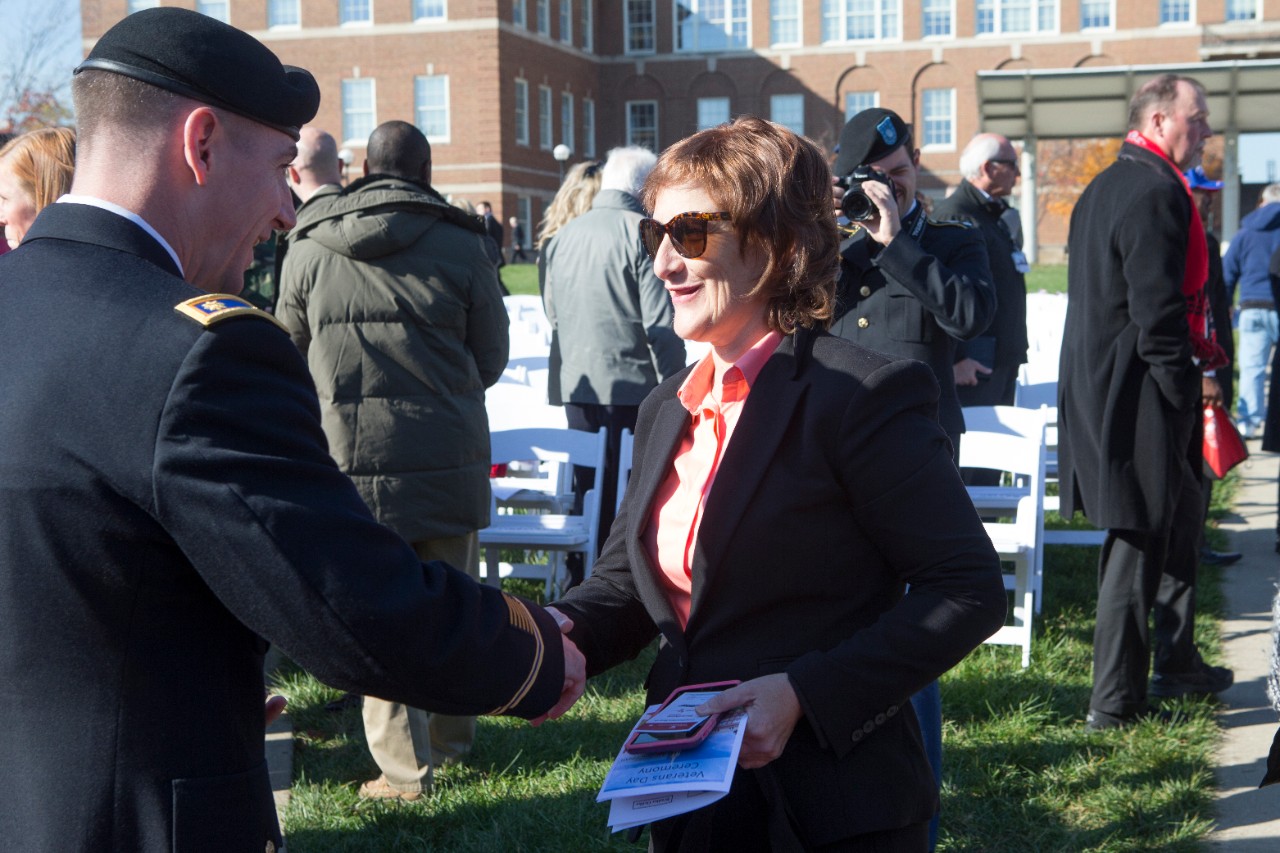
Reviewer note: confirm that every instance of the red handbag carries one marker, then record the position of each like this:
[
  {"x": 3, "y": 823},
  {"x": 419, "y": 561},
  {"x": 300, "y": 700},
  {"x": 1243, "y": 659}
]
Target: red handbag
[{"x": 1223, "y": 447}]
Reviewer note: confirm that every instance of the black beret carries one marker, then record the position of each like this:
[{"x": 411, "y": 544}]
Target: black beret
[
  {"x": 869, "y": 136},
  {"x": 206, "y": 60}
]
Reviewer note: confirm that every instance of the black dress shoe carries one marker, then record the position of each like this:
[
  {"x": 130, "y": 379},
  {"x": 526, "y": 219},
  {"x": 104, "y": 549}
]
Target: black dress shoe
[
  {"x": 1204, "y": 680},
  {"x": 1100, "y": 721},
  {"x": 1210, "y": 557}
]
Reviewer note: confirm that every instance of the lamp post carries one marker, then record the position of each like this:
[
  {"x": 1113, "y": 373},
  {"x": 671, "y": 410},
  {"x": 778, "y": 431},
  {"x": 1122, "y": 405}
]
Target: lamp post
[{"x": 561, "y": 152}]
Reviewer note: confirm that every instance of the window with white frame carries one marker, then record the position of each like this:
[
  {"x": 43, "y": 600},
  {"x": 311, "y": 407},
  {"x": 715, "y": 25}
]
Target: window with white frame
[
  {"x": 544, "y": 118},
  {"x": 788, "y": 111},
  {"x": 642, "y": 124},
  {"x": 357, "y": 110},
  {"x": 641, "y": 25},
  {"x": 861, "y": 20},
  {"x": 588, "y": 127},
  {"x": 431, "y": 106},
  {"x": 712, "y": 112},
  {"x": 938, "y": 113},
  {"x": 1175, "y": 11},
  {"x": 1242, "y": 10},
  {"x": 1096, "y": 14},
  {"x": 856, "y": 102},
  {"x": 355, "y": 11},
  {"x": 284, "y": 13},
  {"x": 138, "y": 5},
  {"x": 216, "y": 9},
  {"x": 542, "y": 16},
  {"x": 518, "y": 13},
  {"x": 522, "y": 112},
  {"x": 588, "y": 27},
  {"x": 566, "y": 120},
  {"x": 703, "y": 25},
  {"x": 1017, "y": 16},
  {"x": 784, "y": 22},
  {"x": 566, "y": 21},
  {"x": 429, "y": 10},
  {"x": 937, "y": 18}
]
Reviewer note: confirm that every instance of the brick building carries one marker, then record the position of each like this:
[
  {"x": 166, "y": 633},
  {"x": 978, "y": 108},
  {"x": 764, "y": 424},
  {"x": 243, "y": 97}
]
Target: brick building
[{"x": 497, "y": 84}]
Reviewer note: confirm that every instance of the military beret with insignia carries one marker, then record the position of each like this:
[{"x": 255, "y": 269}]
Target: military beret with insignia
[
  {"x": 208, "y": 61},
  {"x": 869, "y": 136}
]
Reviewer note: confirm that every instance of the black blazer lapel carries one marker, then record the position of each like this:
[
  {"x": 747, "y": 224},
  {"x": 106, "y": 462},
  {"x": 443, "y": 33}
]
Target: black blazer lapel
[
  {"x": 669, "y": 426},
  {"x": 769, "y": 409}
]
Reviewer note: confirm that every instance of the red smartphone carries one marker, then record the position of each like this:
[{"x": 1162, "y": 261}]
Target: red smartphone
[{"x": 675, "y": 725}]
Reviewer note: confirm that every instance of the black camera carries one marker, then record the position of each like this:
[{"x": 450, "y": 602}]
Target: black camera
[{"x": 855, "y": 205}]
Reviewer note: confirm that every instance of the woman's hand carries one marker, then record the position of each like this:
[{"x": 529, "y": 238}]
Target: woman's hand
[{"x": 772, "y": 713}]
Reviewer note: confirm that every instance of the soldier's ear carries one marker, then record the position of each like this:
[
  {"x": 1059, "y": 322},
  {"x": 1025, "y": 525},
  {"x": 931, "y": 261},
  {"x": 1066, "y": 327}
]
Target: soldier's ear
[{"x": 199, "y": 133}]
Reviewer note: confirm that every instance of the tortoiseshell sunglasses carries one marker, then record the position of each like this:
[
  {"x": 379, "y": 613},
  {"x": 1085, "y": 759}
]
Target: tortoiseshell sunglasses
[{"x": 688, "y": 232}]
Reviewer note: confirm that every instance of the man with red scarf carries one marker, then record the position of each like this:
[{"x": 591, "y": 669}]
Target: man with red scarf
[{"x": 1136, "y": 343}]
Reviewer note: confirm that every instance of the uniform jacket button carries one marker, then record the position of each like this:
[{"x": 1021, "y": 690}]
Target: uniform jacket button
[
  {"x": 863, "y": 322},
  {"x": 865, "y": 291}
]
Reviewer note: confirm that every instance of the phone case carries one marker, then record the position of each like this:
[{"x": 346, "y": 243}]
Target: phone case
[{"x": 664, "y": 736}]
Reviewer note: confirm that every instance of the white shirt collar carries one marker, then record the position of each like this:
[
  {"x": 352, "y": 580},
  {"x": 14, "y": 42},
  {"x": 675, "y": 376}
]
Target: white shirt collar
[{"x": 112, "y": 207}]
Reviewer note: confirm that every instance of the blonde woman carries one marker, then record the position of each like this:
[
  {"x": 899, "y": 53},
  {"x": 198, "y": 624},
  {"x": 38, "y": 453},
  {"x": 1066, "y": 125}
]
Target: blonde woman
[{"x": 35, "y": 169}]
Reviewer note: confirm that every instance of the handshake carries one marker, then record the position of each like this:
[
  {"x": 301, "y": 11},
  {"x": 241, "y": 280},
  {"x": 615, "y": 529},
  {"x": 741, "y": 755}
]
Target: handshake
[{"x": 575, "y": 671}]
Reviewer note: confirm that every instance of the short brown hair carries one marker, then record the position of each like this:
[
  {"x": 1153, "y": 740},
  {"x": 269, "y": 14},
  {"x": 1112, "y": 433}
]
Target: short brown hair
[
  {"x": 1159, "y": 92},
  {"x": 776, "y": 186},
  {"x": 43, "y": 161},
  {"x": 107, "y": 102}
]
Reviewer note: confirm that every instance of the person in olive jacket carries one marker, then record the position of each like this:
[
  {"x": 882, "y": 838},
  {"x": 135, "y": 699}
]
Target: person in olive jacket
[{"x": 388, "y": 293}]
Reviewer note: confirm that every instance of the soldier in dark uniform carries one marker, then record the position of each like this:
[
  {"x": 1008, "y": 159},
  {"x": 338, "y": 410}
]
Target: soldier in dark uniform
[
  {"x": 909, "y": 286},
  {"x": 168, "y": 503}
]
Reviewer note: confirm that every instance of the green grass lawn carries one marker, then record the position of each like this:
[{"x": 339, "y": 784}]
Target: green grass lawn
[
  {"x": 520, "y": 279},
  {"x": 1021, "y": 773}
]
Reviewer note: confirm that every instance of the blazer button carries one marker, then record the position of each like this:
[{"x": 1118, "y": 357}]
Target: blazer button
[
  {"x": 865, "y": 291},
  {"x": 893, "y": 709},
  {"x": 863, "y": 322},
  {"x": 868, "y": 727},
  {"x": 880, "y": 718},
  {"x": 857, "y": 735}
]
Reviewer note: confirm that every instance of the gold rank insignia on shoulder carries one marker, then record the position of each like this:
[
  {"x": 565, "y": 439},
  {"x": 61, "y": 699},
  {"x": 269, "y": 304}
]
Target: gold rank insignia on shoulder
[
  {"x": 216, "y": 307},
  {"x": 952, "y": 223}
]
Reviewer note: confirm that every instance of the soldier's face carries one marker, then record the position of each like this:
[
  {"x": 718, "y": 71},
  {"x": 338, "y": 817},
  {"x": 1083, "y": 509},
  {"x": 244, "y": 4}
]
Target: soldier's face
[
  {"x": 901, "y": 166},
  {"x": 254, "y": 202}
]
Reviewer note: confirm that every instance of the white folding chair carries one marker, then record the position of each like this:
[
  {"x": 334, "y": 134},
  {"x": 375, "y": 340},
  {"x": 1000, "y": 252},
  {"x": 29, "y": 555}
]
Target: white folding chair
[
  {"x": 556, "y": 532},
  {"x": 1044, "y": 395},
  {"x": 1003, "y": 447}
]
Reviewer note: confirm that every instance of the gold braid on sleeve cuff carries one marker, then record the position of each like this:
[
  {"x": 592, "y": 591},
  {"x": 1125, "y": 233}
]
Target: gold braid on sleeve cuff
[{"x": 520, "y": 618}]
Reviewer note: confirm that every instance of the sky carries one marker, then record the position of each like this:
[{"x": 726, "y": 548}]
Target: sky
[{"x": 1259, "y": 153}]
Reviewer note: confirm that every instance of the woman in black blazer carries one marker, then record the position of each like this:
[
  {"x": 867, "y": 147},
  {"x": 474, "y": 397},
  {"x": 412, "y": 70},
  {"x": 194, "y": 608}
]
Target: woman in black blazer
[{"x": 769, "y": 539}]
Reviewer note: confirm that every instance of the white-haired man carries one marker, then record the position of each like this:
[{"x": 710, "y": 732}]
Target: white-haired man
[
  {"x": 986, "y": 367},
  {"x": 612, "y": 314}
]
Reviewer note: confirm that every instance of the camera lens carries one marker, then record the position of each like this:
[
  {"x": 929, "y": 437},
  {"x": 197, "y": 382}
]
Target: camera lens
[{"x": 856, "y": 206}]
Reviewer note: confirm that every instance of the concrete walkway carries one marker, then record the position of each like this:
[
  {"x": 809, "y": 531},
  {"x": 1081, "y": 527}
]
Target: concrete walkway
[{"x": 1248, "y": 818}]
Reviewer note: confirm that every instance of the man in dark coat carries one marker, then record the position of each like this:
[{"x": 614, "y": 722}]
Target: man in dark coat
[
  {"x": 986, "y": 367},
  {"x": 1129, "y": 399},
  {"x": 909, "y": 286},
  {"x": 168, "y": 502}
]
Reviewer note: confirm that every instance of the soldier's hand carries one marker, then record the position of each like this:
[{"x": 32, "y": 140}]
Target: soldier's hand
[
  {"x": 837, "y": 196},
  {"x": 967, "y": 371},
  {"x": 575, "y": 671},
  {"x": 886, "y": 224}
]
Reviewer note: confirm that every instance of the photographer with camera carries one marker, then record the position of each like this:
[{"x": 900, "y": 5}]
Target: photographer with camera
[{"x": 909, "y": 286}]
